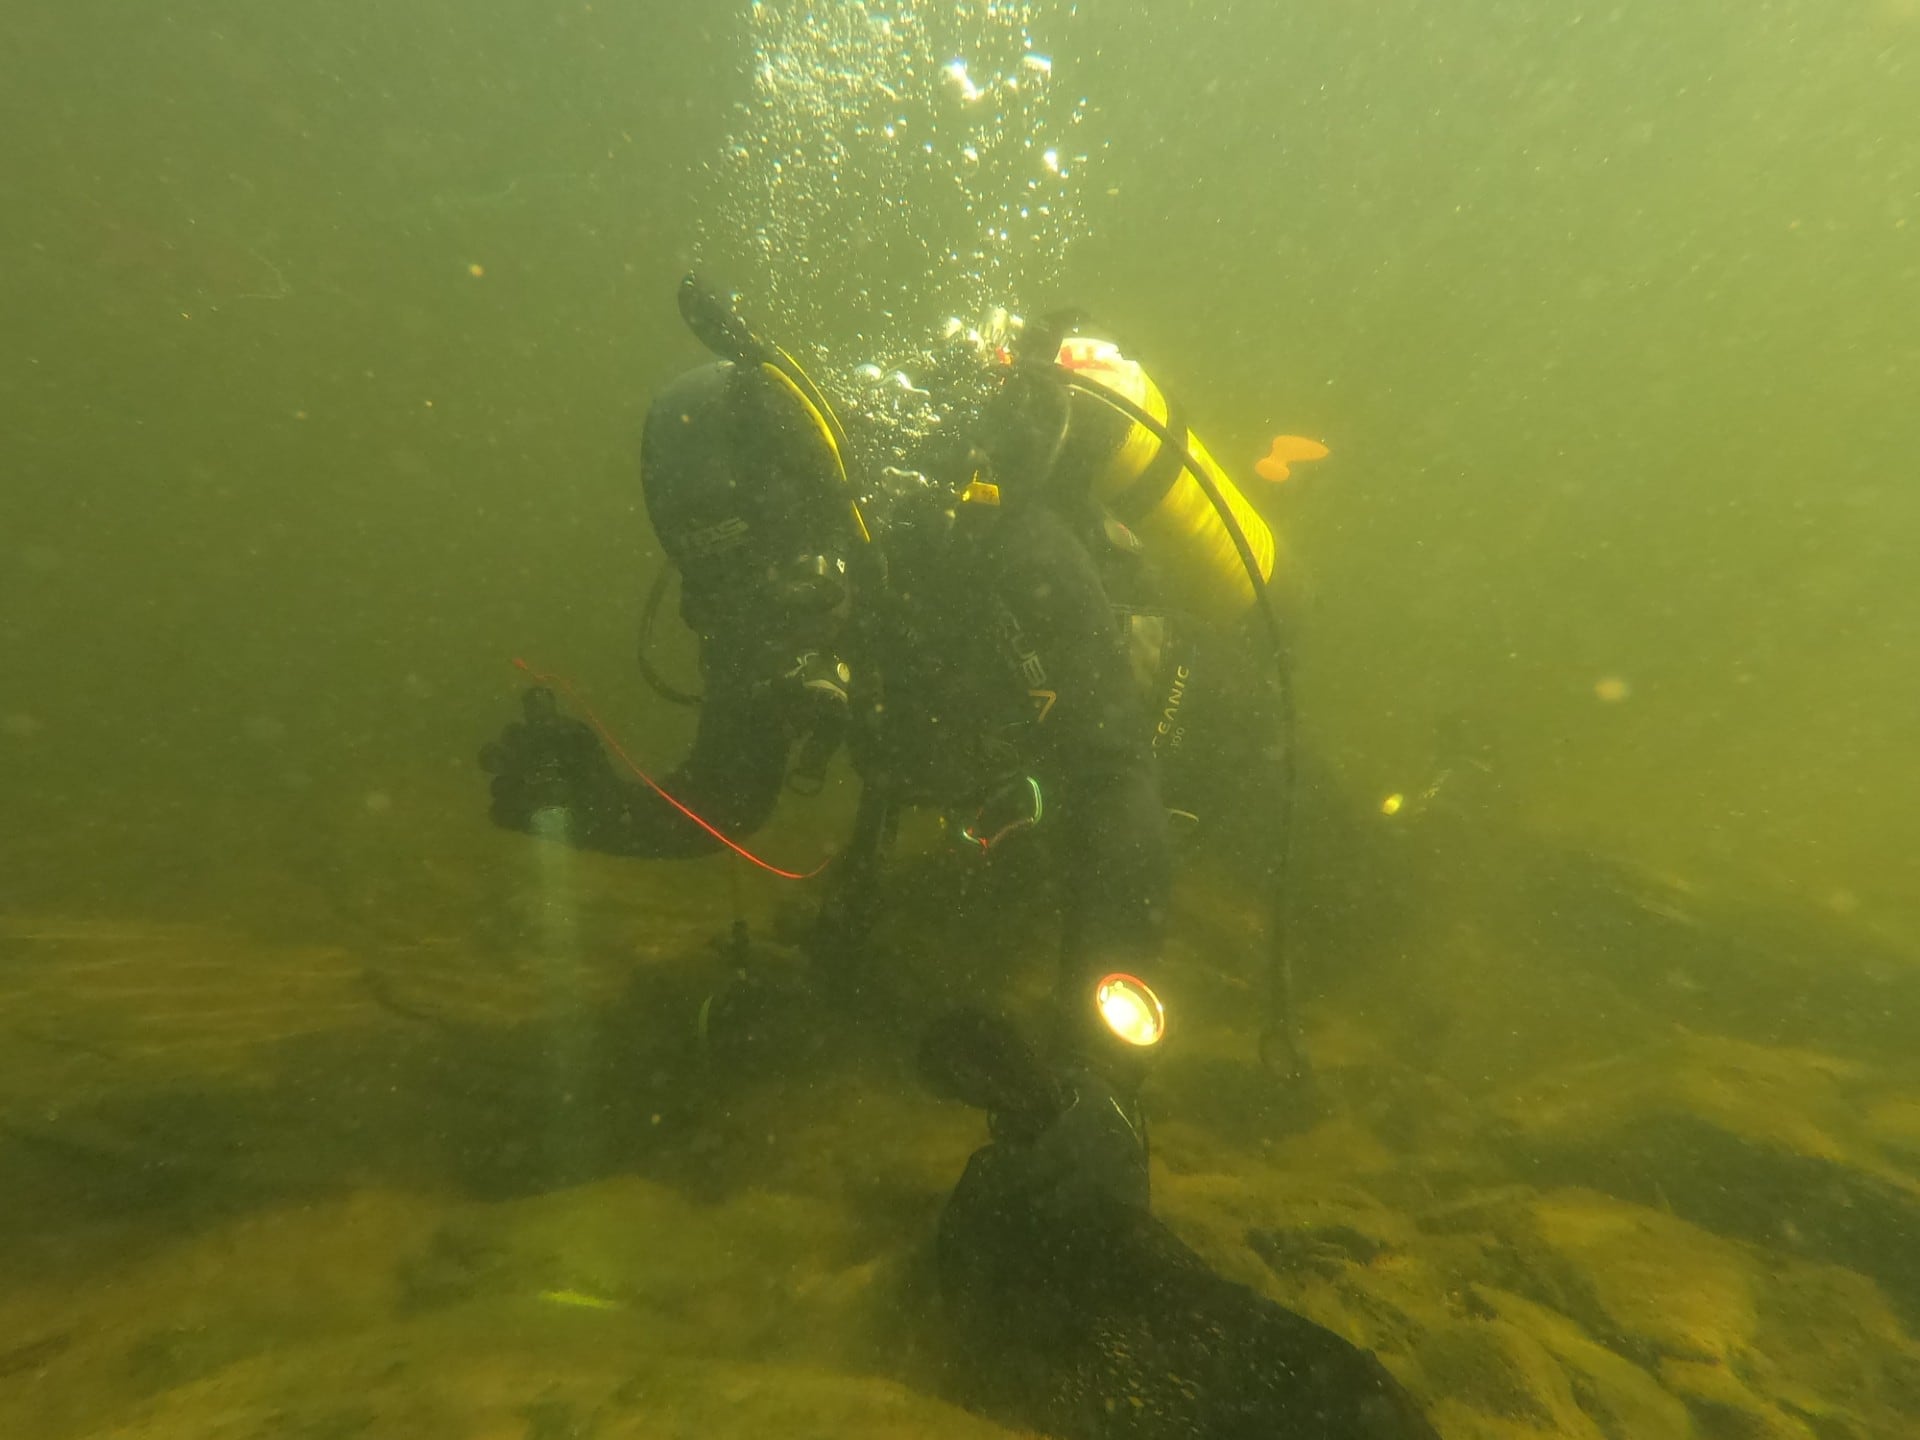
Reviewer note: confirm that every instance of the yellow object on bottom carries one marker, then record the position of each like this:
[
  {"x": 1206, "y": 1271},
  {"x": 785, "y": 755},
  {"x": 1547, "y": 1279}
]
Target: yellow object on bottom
[{"x": 579, "y": 1300}]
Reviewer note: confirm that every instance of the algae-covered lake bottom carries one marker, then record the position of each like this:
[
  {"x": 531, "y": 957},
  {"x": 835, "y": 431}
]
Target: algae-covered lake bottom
[{"x": 1632, "y": 1159}]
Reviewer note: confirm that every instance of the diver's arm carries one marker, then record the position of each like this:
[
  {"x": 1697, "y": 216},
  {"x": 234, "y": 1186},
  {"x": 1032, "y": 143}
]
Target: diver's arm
[
  {"x": 1090, "y": 742},
  {"x": 731, "y": 777},
  {"x": 553, "y": 765}
]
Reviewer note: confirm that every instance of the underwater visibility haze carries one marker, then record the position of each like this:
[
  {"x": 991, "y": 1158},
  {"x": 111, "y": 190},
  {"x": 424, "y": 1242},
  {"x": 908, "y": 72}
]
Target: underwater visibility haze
[{"x": 1534, "y": 976}]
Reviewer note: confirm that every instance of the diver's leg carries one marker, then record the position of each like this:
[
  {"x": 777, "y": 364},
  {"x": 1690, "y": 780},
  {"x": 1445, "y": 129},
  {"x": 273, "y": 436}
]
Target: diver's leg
[
  {"x": 836, "y": 944},
  {"x": 763, "y": 1016}
]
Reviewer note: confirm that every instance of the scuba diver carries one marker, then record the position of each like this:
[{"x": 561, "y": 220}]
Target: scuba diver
[
  {"x": 1000, "y": 599},
  {"x": 1002, "y": 615}
]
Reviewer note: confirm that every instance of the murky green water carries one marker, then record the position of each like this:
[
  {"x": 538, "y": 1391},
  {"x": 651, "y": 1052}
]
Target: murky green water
[{"x": 328, "y": 334}]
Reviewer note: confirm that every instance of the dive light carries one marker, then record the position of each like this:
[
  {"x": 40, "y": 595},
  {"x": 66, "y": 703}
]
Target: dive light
[
  {"x": 551, "y": 815},
  {"x": 1131, "y": 1010}
]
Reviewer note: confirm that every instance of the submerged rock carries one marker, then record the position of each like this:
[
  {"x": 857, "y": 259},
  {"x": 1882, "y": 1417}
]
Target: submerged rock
[
  {"x": 1620, "y": 1400},
  {"x": 1096, "y": 1322},
  {"x": 1768, "y": 1144}
]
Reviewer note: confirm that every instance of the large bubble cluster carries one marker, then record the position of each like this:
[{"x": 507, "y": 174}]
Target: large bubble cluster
[{"x": 896, "y": 164}]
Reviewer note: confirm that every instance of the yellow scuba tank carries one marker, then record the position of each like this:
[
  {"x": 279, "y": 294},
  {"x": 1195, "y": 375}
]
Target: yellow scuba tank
[{"x": 1149, "y": 487}]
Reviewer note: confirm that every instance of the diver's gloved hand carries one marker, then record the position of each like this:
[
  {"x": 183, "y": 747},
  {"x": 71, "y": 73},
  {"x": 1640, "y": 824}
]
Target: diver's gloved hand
[
  {"x": 551, "y": 776},
  {"x": 1065, "y": 1134},
  {"x": 1096, "y": 1146}
]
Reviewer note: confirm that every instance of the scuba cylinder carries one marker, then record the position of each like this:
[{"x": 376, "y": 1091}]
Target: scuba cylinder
[{"x": 1150, "y": 486}]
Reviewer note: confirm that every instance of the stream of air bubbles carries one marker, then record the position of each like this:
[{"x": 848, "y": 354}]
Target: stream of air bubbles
[{"x": 896, "y": 164}]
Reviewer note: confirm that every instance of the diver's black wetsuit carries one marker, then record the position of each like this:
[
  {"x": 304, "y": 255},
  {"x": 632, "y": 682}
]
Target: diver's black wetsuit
[{"x": 996, "y": 651}]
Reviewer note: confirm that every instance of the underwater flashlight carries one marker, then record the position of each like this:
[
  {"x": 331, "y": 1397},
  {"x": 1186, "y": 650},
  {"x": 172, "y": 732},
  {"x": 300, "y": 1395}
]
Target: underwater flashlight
[
  {"x": 1131, "y": 1009},
  {"x": 551, "y": 815}
]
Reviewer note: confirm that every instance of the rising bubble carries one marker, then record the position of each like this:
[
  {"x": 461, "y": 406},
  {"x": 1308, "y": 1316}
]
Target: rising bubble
[{"x": 895, "y": 164}]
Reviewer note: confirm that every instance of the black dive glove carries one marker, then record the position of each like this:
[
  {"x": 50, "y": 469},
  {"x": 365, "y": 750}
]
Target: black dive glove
[
  {"x": 551, "y": 775},
  {"x": 1064, "y": 1134},
  {"x": 1095, "y": 1146}
]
